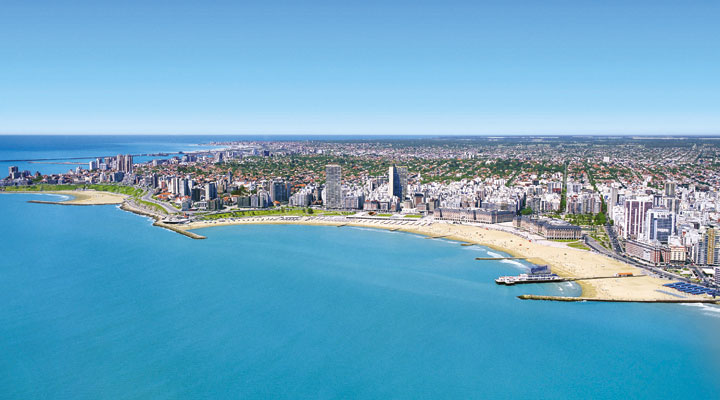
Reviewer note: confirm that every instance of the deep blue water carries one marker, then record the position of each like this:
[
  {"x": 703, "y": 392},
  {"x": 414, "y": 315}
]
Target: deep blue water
[
  {"x": 87, "y": 147},
  {"x": 96, "y": 303}
]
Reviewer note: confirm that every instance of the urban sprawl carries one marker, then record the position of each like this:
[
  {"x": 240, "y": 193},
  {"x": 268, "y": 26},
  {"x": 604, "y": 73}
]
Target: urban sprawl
[{"x": 646, "y": 200}]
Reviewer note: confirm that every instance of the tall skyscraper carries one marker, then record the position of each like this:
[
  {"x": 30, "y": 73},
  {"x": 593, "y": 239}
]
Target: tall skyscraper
[
  {"x": 279, "y": 191},
  {"x": 184, "y": 186},
  {"x": 14, "y": 172},
  {"x": 333, "y": 186},
  {"x": 672, "y": 204},
  {"x": 174, "y": 185},
  {"x": 210, "y": 191},
  {"x": 670, "y": 189},
  {"x": 710, "y": 246},
  {"x": 196, "y": 193},
  {"x": 659, "y": 225},
  {"x": 613, "y": 196},
  {"x": 124, "y": 163},
  {"x": 398, "y": 181},
  {"x": 635, "y": 212}
]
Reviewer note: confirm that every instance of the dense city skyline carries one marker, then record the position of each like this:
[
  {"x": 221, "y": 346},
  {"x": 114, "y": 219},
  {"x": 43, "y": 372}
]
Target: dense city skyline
[
  {"x": 655, "y": 198},
  {"x": 360, "y": 199}
]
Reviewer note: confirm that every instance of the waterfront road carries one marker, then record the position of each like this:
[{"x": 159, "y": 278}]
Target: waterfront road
[
  {"x": 596, "y": 246},
  {"x": 170, "y": 209}
]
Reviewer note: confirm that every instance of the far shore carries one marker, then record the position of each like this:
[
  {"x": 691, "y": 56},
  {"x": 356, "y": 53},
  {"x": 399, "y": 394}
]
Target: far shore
[{"x": 563, "y": 260}]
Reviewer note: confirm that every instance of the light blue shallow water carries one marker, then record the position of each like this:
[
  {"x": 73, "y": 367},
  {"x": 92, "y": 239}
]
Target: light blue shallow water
[{"x": 96, "y": 303}]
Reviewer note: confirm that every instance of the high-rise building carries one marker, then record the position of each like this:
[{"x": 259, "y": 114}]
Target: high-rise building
[
  {"x": 333, "y": 186},
  {"x": 659, "y": 225},
  {"x": 260, "y": 200},
  {"x": 635, "y": 212},
  {"x": 670, "y": 189},
  {"x": 174, "y": 185},
  {"x": 14, "y": 172},
  {"x": 155, "y": 180},
  {"x": 672, "y": 204},
  {"x": 210, "y": 191},
  {"x": 196, "y": 193},
  {"x": 184, "y": 186},
  {"x": 124, "y": 163},
  {"x": 128, "y": 163},
  {"x": 613, "y": 197},
  {"x": 398, "y": 181},
  {"x": 710, "y": 246},
  {"x": 279, "y": 191}
]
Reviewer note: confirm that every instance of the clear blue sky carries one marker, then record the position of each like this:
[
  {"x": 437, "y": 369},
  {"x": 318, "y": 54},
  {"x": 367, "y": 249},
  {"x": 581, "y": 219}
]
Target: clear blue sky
[{"x": 355, "y": 67}]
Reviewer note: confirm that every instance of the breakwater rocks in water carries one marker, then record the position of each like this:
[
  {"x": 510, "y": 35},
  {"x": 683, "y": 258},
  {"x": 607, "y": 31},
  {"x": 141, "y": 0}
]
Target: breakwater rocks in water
[
  {"x": 63, "y": 203},
  {"x": 180, "y": 231},
  {"x": 160, "y": 224},
  {"x": 562, "y": 298}
]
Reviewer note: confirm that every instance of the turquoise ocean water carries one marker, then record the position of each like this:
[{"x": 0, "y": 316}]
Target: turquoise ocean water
[{"x": 95, "y": 303}]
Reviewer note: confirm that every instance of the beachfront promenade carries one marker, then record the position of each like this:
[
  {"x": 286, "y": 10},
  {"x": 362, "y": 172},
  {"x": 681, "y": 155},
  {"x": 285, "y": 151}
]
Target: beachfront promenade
[
  {"x": 582, "y": 266},
  {"x": 565, "y": 261}
]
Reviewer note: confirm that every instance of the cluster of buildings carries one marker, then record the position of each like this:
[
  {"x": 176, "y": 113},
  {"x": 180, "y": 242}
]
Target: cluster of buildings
[
  {"x": 661, "y": 199},
  {"x": 669, "y": 225},
  {"x": 550, "y": 228}
]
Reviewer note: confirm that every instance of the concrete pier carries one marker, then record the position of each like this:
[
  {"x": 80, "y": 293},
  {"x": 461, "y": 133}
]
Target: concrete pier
[
  {"x": 157, "y": 222},
  {"x": 189, "y": 234}
]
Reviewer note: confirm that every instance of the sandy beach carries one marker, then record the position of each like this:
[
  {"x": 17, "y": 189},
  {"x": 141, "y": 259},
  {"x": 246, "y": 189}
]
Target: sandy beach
[
  {"x": 80, "y": 197},
  {"x": 564, "y": 260}
]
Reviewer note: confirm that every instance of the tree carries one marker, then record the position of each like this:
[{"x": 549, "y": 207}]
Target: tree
[
  {"x": 310, "y": 210},
  {"x": 526, "y": 211},
  {"x": 240, "y": 191},
  {"x": 600, "y": 219}
]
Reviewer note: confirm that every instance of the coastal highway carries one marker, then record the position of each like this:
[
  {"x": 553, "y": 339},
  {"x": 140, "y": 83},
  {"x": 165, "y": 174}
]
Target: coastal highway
[
  {"x": 170, "y": 209},
  {"x": 614, "y": 242},
  {"x": 596, "y": 246},
  {"x": 593, "y": 244}
]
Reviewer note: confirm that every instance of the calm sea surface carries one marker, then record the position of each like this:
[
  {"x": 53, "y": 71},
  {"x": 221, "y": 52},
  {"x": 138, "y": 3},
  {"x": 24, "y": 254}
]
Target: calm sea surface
[
  {"x": 67, "y": 148},
  {"x": 95, "y": 303}
]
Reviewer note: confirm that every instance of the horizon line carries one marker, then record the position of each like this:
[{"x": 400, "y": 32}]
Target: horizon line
[{"x": 696, "y": 135}]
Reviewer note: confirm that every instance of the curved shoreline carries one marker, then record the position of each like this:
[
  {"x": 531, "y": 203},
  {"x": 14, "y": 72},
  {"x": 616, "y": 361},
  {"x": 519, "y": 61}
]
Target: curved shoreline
[
  {"x": 158, "y": 222},
  {"x": 565, "y": 261},
  {"x": 78, "y": 197}
]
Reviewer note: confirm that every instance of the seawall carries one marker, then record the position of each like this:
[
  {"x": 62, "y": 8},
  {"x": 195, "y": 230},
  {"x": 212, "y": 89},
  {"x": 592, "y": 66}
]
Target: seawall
[
  {"x": 160, "y": 224},
  {"x": 618, "y": 300}
]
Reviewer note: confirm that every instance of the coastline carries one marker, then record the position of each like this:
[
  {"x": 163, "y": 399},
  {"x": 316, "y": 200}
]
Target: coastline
[
  {"x": 565, "y": 261},
  {"x": 78, "y": 197},
  {"x": 158, "y": 221}
]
